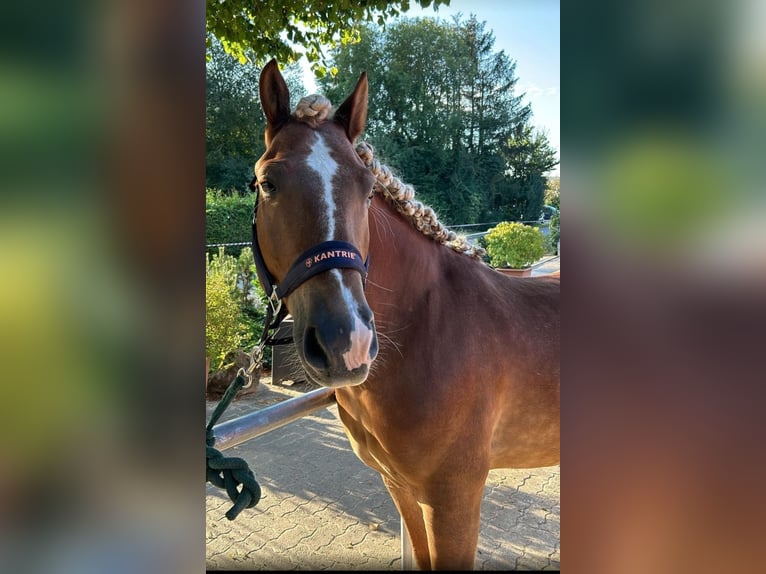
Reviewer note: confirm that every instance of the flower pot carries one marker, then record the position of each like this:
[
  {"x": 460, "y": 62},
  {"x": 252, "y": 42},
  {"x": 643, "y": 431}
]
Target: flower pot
[{"x": 525, "y": 272}]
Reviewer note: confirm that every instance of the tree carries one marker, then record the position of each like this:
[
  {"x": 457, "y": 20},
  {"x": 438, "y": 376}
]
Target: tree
[
  {"x": 442, "y": 108},
  {"x": 552, "y": 191},
  {"x": 495, "y": 112},
  {"x": 234, "y": 122},
  {"x": 253, "y": 31},
  {"x": 529, "y": 156},
  {"x": 442, "y": 111}
]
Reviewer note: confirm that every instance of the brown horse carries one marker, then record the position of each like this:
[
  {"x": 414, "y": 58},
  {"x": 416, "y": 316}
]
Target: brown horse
[{"x": 466, "y": 377}]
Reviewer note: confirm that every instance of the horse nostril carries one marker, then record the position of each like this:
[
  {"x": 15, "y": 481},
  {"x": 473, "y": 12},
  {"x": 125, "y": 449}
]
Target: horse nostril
[
  {"x": 366, "y": 316},
  {"x": 313, "y": 350}
]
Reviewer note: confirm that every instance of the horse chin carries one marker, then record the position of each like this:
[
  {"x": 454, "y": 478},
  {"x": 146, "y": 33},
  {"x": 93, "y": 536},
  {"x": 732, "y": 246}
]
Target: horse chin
[{"x": 337, "y": 379}]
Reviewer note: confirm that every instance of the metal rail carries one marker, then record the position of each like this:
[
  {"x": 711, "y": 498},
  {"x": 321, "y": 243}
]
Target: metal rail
[{"x": 242, "y": 429}]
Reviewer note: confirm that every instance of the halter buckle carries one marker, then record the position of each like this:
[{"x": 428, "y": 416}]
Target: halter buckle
[{"x": 275, "y": 302}]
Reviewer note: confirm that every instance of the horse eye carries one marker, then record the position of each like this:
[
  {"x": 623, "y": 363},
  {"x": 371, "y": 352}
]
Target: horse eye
[{"x": 266, "y": 187}]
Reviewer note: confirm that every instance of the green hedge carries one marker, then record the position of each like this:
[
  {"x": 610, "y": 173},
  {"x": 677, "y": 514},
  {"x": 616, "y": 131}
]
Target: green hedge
[{"x": 228, "y": 219}]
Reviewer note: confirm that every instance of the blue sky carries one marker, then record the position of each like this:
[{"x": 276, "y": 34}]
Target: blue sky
[{"x": 527, "y": 31}]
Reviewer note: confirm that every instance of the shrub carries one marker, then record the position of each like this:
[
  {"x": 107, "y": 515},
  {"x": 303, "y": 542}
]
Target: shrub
[
  {"x": 514, "y": 245},
  {"x": 223, "y": 326},
  {"x": 251, "y": 292},
  {"x": 236, "y": 306}
]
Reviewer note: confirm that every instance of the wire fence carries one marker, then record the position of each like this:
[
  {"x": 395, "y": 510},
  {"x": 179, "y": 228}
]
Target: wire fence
[
  {"x": 237, "y": 244},
  {"x": 460, "y": 226}
]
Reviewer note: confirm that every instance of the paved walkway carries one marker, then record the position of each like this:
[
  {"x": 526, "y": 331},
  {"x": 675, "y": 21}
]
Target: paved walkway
[
  {"x": 323, "y": 509},
  {"x": 549, "y": 264}
]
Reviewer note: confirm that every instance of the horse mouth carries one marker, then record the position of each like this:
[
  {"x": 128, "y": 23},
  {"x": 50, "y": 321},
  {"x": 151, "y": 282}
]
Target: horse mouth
[
  {"x": 337, "y": 379},
  {"x": 340, "y": 367}
]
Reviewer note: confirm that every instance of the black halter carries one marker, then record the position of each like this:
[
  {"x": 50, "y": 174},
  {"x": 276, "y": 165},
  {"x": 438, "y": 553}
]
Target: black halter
[{"x": 318, "y": 259}]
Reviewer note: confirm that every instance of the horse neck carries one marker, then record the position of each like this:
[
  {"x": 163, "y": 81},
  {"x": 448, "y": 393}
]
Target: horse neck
[{"x": 403, "y": 263}]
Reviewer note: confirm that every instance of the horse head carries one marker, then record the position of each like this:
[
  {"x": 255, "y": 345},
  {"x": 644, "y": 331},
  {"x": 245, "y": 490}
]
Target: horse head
[{"x": 311, "y": 227}]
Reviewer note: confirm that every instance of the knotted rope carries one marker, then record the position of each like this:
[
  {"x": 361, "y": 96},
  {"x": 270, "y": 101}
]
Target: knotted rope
[{"x": 230, "y": 472}]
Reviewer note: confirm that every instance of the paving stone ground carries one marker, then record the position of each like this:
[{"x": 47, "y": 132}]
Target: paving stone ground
[{"x": 323, "y": 509}]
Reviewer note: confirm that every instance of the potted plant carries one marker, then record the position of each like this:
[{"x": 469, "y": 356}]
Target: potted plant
[{"x": 513, "y": 247}]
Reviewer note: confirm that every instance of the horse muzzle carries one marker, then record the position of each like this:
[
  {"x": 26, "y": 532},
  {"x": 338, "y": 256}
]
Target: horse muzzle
[
  {"x": 333, "y": 330},
  {"x": 337, "y": 350}
]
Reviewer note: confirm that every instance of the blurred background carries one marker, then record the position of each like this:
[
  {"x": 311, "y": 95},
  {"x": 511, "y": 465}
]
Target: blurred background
[
  {"x": 663, "y": 133},
  {"x": 101, "y": 297},
  {"x": 665, "y": 106},
  {"x": 102, "y": 294}
]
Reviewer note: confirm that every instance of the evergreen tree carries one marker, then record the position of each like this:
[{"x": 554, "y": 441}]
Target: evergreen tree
[
  {"x": 528, "y": 157},
  {"x": 444, "y": 113}
]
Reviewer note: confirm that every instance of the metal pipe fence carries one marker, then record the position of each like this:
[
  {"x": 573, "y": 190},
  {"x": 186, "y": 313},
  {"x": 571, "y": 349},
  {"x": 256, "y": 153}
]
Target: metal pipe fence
[{"x": 242, "y": 429}]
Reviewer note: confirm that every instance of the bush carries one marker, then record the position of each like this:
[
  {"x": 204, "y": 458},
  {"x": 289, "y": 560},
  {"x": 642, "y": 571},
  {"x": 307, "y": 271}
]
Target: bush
[
  {"x": 228, "y": 218},
  {"x": 236, "y": 306},
  {"x": 224, "y": 329},
  {"x": 514, "y": 245}
]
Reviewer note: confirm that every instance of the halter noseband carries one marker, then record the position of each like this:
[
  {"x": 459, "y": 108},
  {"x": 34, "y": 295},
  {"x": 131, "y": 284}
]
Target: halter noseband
[{"x": 318, "y": 259}]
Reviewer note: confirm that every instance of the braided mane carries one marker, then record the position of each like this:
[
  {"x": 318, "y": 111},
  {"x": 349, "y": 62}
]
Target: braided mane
[{"x": 315, "y": 109}]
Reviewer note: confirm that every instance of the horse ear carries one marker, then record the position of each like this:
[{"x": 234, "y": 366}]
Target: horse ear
[
  {"x": 275, "y": 99},
  {"x": 352, "y": 114}
]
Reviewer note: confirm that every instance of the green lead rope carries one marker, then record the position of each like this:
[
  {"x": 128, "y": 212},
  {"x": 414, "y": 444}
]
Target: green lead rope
[{"x": 230, "y": 472}]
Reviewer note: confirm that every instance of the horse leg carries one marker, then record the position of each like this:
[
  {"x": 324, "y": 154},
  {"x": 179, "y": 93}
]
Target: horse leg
[
  {"x": 413, "y": 520},
  {"x": 452, "y": 516}
]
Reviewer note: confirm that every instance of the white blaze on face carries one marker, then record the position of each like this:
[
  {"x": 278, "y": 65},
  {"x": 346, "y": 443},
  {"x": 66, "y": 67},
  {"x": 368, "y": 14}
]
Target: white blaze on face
[
  {"x": 325, "y": 166},
  {"x": 361, "y": 339}
]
